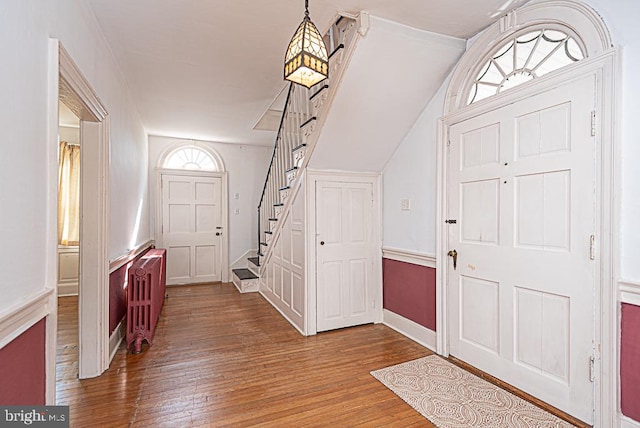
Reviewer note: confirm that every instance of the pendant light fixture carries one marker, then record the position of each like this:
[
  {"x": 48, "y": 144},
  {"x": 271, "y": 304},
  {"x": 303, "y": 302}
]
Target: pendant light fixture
[{"x": 306, "y": 61}]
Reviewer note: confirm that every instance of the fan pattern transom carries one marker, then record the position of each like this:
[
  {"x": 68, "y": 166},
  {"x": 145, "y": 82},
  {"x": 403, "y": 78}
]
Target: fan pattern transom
[{"x": 523, "y": 58}]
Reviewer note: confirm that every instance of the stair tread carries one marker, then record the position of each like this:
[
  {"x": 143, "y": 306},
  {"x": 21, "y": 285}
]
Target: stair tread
[
  {"x": 244, "y": 273},
  {"x": 254, "y": 260}
]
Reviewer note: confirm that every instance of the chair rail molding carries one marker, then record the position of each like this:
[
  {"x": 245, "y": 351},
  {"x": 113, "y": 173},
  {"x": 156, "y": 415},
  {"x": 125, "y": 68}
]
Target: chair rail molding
[
  {"x": 629, "y": 292},
  {"x": 409, "y": 256}
]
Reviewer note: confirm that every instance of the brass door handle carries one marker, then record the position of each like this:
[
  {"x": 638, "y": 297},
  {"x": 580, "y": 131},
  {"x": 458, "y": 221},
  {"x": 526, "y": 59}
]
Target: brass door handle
[{"x": 454, "y": 254}]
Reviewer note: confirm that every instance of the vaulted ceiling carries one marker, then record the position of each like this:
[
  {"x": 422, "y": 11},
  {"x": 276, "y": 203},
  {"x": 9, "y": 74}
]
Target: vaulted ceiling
[{"x": 209, "y": 69}]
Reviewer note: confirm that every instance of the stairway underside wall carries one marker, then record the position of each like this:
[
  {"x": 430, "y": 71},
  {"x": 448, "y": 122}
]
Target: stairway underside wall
[{"x": 283, "y": 281}]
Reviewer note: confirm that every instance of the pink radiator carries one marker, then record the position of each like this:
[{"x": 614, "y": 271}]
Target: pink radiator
[{"x": 147, "y": 283}]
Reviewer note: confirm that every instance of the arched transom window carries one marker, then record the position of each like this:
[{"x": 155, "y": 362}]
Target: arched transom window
[
  {"x": 191, "y": 157},
  {"x": 523, "y": 58}
]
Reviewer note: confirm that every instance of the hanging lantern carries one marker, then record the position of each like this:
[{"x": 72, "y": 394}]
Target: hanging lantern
[{"x": 306, "y": 61}]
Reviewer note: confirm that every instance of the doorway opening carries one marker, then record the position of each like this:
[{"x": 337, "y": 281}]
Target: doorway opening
[
  {"x": 68, "y": 86},
  {"x": 68, "y": 253}
]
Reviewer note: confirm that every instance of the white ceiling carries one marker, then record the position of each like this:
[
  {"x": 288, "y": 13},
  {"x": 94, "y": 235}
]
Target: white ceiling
[{"x": 209, "y": 69}]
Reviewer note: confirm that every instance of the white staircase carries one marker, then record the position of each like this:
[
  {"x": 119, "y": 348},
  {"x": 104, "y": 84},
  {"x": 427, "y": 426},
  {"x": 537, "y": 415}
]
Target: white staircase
[{"x": 305, "y": 110}]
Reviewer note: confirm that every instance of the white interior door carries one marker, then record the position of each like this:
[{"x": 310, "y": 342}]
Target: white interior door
[
  {"x": 521, "y": 186},
  {"x": 192, "y": 228},
  {"x": 344, "y": 241}
]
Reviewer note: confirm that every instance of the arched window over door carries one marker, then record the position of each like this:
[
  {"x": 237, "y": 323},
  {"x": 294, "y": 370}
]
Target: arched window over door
[
  {"x": 192, "y": 158},
  {"x": 526, "y": 44},
  {"x": 525, "y": 56}
]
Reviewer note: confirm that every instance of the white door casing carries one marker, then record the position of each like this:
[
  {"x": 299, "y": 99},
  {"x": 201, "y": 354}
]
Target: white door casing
[
  {"x": 521, "y": 186},
  {"x": 192, "y": 226},
  {"x": 344, "y": 245}
]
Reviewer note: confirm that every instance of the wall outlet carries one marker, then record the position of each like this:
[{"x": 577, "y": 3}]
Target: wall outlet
[
  {"x": 405, "y": 205},
  {"x": 237, "y": 211}
]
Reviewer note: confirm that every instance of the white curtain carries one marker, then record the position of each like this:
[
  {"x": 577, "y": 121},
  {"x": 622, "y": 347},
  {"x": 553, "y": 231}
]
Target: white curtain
[{"x": 69, "y": 194}]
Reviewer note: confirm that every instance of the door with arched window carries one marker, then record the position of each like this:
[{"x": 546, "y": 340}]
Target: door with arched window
[
  {"x": 193, "y": 216},
  {"x": 522, "y": 197}
]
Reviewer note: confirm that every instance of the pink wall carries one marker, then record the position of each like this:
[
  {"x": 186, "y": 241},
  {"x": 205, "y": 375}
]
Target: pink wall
[
  {"x": 410, "y": 291},
  {"x": 22, "y": 368},
  {"x": 630, "y": 361}
]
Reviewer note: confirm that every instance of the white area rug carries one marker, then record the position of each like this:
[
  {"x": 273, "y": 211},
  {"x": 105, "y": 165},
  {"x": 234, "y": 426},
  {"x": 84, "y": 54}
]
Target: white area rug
[{"x": 451, "y": 397}]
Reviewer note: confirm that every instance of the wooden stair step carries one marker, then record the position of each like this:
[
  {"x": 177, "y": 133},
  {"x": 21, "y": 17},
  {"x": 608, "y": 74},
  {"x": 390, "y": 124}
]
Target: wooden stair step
[{"x": 244, "y": 274}]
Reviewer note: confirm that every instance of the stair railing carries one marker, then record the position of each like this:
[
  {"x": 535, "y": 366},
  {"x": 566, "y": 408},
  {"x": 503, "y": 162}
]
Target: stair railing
[{"x": 298, "y": 112}]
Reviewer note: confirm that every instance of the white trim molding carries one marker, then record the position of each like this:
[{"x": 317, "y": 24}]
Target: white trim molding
[
  {"x": 116, "y": 338},
  {"x": 21, "y": 317},
  {"x": 408, "y": 256},
  {"x": 410, "y": 329},
  {"x": 626, "y": 422},
  {"x": 66, "y": 83},
  {"x": 118, "y": 262},
  {"x": 629, "y": 292}
]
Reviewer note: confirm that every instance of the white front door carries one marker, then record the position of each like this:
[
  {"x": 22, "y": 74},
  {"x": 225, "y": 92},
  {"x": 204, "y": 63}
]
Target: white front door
[
  {"x": 521, "y": 187},
  {"x": 344, "y": 241},
  {"x": 192, "y": 228}
]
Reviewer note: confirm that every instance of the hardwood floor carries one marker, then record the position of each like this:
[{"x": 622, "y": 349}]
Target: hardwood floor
[{"x": 221, "y": 358}]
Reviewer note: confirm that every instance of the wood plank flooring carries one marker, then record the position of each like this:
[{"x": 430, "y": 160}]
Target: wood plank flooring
[{"x": 225, "y": 359}]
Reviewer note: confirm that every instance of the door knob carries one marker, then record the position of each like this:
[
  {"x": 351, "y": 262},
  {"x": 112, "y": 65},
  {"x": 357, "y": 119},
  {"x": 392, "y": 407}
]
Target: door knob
[
  {"x": 454, "y": 254},
  {"x": 321, "y": 242},
  {"x": 218, "y": 233}
]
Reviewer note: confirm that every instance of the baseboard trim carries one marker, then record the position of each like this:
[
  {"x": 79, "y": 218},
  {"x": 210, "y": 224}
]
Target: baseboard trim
[
  {"x": 626, "y": 422},
  {"x": 20, "y": 317},
  {"x": 408, "y": 256},
  {"x": 410, "y": 329},
  {"x": 68, "y": 289},
  {"x": 116, "y": 338}
]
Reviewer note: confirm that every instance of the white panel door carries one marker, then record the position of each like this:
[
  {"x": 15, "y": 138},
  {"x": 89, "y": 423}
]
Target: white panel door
[
  {"x": 344, "y": 240},
  {"x": 192, "y": 228},
  {"x": 521, "y": 187}
]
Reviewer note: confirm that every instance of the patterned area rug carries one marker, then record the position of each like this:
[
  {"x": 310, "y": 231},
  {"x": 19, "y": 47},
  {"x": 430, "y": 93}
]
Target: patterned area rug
[{"x": 451, "y": 397}]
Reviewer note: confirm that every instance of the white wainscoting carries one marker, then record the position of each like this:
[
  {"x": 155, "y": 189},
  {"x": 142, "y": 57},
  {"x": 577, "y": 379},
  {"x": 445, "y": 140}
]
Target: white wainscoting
[
  {"x": 410, "y": 329},
  {"x": 68, "y": 264},
  {"x": 629, "y": 292},
  {"x": 283, "y": 282},
  {"x": 415, "y": 257}
]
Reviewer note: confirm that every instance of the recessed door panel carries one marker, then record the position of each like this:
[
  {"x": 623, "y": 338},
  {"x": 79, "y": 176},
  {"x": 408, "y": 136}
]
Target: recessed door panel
[{"x": 479, "y": 312}]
